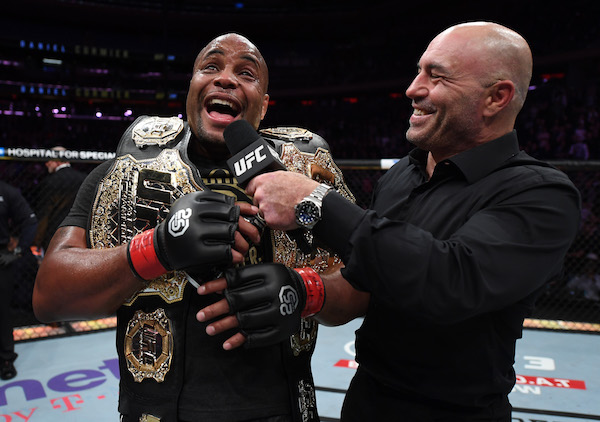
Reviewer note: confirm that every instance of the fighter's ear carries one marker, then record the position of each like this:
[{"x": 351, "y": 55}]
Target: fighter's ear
[{"x": 265, "y": 105}]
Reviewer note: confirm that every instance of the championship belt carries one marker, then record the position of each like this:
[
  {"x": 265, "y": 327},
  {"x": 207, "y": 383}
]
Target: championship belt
[
  {"x": 307, "y": 153},
  {"x": 135, "y": 196},
  {"x": 151, "y": 172}
]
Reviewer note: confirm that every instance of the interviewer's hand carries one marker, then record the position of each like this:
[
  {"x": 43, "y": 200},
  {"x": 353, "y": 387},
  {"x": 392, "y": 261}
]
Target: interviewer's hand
[{"x": 276, "y": 194}]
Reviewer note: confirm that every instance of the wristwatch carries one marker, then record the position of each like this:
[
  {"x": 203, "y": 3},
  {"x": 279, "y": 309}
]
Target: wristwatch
[{"x": 308, "y": 211}]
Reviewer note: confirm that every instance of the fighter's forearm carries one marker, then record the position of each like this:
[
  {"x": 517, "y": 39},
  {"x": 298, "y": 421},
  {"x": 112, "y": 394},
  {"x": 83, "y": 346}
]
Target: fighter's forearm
[
  {"x": 343, "y": 303},
  {"x": 74, "y": 282}
]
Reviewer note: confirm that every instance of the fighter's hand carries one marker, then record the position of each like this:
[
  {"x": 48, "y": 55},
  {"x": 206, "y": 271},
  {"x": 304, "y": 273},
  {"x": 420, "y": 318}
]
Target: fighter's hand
[
  {"x": 220, "y": 310},
  {"x": 197, "y": 235},
  {"x": 276, "y": 193},
  {"x": 265, "y": 302}
]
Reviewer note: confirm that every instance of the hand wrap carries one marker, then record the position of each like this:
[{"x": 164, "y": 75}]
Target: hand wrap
[
  {"x": 196, "y": 236},
  {"x": 269, "y": 300}
]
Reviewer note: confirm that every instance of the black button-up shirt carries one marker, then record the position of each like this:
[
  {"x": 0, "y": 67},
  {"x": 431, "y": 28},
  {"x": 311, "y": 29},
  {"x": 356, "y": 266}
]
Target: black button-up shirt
[{"x": 453, "y": 263}]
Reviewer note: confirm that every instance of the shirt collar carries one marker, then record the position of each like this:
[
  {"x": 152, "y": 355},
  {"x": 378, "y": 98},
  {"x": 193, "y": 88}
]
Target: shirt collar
[{"x": 476, "y": 163}]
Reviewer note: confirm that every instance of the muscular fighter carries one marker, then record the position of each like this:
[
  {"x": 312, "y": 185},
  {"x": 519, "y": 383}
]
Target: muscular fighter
[{"x": 163, "y": 217}]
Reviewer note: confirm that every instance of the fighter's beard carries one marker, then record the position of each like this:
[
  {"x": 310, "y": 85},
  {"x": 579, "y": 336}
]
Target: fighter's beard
[{"x": 210, "y": 148}]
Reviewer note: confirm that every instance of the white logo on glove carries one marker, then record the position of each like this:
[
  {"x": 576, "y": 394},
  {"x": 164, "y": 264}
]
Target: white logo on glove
[
  {"x": 180, "y": 222},
  {"x": 289, "y": 300}
]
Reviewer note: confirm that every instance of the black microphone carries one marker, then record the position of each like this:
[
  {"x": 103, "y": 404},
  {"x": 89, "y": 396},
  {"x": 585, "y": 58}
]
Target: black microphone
[{"x": 251, "y": 154}]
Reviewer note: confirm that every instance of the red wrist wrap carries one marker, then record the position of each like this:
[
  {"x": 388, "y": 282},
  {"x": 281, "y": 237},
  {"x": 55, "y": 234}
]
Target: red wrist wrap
[
  {"x": 315, "y": 291},
  {"x": 142, "y": 256}
]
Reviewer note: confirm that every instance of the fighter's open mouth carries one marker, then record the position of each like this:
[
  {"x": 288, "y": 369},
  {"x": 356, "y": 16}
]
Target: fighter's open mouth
[{"x": 221, "y": 106}]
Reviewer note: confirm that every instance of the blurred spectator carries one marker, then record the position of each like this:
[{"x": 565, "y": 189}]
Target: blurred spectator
[
  {"x": 17, "y": 229},
  {"x": 54, "y": 197},
  {"x": 579, "y": 148},
  {"x": 587, "y": 284},
  {"x": 585, "y": 245},
  {"x": 542, "y": 140}
]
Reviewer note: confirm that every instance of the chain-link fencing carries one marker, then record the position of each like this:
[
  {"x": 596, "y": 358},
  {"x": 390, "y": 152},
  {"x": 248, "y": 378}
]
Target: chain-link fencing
[{"x": 574, "y": 297}]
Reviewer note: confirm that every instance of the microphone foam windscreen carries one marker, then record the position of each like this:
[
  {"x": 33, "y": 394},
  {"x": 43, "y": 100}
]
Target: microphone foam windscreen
[{"x": 238, "y": 135}]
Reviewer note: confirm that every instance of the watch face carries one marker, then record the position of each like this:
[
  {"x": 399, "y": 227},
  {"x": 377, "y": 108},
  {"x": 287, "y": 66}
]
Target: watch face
[{"x": 307, "y": 214}]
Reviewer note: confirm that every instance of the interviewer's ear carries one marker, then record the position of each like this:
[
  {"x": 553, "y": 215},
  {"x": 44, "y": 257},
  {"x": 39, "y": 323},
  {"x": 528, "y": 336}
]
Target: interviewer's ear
[{"x": 499, "y": 97}]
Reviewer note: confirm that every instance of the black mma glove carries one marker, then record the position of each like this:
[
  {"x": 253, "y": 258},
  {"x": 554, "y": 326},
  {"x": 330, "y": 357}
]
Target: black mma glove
[
  {"x": 270, "y": 299},
  {"x": 197, "y": 235}
]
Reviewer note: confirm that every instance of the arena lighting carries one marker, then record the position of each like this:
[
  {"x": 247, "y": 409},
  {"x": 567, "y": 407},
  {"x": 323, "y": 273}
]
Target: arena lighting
[
  {"x": 32, "y": 45},
  {"x": 98, "y": 71},
  {"x": 547, "y": 76},
  {"x": 18, "y": 113},
  {"x": 239, "y": 5},
  {"x": 43, "y": 90},
  {"x": 9, "y": 63},
  {"x": 128, "y": 113},
  {"x": 98, "y": 114},
  {"x": 151, "y": 75},
  {"x": 56, "y": 62}
]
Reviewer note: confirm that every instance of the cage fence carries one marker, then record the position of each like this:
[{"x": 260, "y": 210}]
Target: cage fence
[{"x": 570, "y": 302}]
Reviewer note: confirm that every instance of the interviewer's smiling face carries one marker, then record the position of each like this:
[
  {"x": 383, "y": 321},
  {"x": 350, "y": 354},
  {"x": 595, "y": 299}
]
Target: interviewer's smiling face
[{"x": 447, "y": 96}]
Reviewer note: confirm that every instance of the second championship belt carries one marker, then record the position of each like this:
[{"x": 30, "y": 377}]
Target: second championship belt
[{"x": 302, "y": 151}]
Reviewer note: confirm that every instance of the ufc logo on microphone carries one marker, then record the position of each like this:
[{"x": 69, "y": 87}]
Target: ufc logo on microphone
[
  {"x": 180, "y": 222},
  {"x": 244, "y": 164}
]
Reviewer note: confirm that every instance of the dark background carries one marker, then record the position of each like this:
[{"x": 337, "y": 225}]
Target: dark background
[{"x": 333, "y": 65}]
